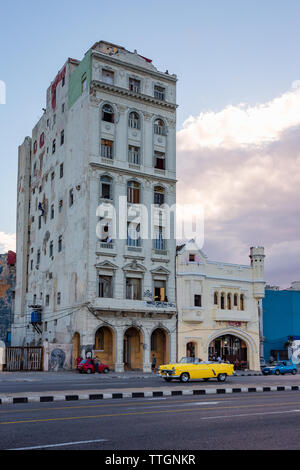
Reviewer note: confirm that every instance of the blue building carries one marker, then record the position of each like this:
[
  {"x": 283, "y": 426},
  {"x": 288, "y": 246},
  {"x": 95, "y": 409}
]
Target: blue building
[{"x": 281, "y": 321}]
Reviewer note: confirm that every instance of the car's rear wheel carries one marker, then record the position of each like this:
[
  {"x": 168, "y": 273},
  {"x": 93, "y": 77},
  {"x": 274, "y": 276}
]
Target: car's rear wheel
[
  {"x": 222, "y": 377},
  {"x": 184, "y": 377},
  {"x": 277, "y": 372},
  {"x": 106, "y": 370},
  {"x": 167, "y": 379},
  {"x": 89, "y": 371},
  {"x": 294, "y": 372}
]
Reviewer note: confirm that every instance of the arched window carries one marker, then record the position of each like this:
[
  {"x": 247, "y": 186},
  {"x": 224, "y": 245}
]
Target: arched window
[
  {"x": 159, "y": 195},
  {"x": 107, "y": 113},
  {"x": 229, "y": 301},
  {"x": 133, "y": 192},
  {"x": 235, "y": 300},
  {"x": 216, "y": 298},
  {"x": 42, "y": 139},
  {"x": 242, "y": 302},
  {"x": 106, "y": 187},
  {"x": 134, "y": 120},
  {"x": 159, "y": 127},
  {"x": 222, "y": 301}
]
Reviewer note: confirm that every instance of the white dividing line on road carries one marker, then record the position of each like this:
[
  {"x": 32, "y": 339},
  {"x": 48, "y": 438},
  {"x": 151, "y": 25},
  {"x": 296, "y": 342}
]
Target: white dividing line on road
[
  {"x": 60, "y": 445},
  {"x": 200, "y": 403},
  {"x": 251, "y": 414}
]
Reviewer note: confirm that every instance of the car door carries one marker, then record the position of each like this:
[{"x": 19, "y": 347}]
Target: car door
[{"x": 203, "y": 371}]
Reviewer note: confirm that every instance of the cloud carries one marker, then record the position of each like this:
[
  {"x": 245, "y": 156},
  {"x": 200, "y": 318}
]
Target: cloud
[
  {"x": 243, "y": 165},
  {"x": 7, "y": 242}
]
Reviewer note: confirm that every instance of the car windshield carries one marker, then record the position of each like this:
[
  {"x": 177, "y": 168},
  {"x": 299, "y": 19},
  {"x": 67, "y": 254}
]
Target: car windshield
[
  {"x": 83, "y": 362},
  {"x": 190, "y": 360}
]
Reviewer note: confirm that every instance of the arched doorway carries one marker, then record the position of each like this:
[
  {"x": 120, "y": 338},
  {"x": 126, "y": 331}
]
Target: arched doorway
[
  {"x": 160, "y": 346},
  {"x": 105, "y": 346},
  {"x": 76, "y": 348},
  {"x": 133, "y": 349},
  {"x": 230, "y": 348}
]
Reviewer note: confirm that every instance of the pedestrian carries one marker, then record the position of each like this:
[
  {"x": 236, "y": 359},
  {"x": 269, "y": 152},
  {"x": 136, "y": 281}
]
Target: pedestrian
[
  {"x": 219, "y": 359},
  {"x": 153, "y": 363}
]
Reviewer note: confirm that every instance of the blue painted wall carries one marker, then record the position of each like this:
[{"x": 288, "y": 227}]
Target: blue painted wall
[{"x": 281, "y": 318}]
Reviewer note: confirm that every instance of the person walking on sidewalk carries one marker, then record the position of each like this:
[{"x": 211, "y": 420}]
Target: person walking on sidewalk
[{"x": 153, "y": 363}]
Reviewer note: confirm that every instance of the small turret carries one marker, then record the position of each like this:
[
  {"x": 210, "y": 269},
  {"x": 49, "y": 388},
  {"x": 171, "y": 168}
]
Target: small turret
[{"x": 257, "y": 257}]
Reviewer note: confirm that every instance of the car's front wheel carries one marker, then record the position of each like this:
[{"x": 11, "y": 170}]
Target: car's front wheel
[
  {"x": 277, "y": 372},
  {"x": 184, "y": 377},
  {"x": 222, "y": 377},
  {"x": 294, "y": 372},
  {"x": 89, "y": 371},
  {"x": 106, "y": 370}
]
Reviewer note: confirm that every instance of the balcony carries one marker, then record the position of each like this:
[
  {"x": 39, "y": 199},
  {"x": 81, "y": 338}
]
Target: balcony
[
  {"x": 233, "y": 315},
  {"x": 192, "y": 314}
]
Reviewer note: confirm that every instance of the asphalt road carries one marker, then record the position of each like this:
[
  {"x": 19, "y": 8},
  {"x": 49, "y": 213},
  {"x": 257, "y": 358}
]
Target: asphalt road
[
  {"x": 252, "y": 421},
  {"x": 43, "y": 382}
]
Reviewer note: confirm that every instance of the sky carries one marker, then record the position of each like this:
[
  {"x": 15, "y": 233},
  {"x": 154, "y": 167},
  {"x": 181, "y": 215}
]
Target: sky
[{"x": 238, "y": 120}]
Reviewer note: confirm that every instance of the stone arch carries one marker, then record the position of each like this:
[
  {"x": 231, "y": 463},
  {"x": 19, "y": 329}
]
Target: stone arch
[
  {"x": 160, "y": 345},
  {"x": 76, "y": 348},
  {"x": 133, "y": 348},
  {"x": 105, "y": 345}
]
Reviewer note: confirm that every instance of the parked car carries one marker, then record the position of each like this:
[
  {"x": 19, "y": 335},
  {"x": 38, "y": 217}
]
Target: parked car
[
  {"x": 193, "y": 368},
  {"x": 90, "y": 366},
  {"x": 262, "y": 362},
  {"x": 280, "y": 368}
]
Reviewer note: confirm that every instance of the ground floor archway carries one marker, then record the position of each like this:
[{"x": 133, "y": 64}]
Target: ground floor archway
[
  {"x": 160, "y": 346},
  {"x": 133, "y": 349},
  {"x": 230, "y": 348},
  {"x": 105, "y": 346}
]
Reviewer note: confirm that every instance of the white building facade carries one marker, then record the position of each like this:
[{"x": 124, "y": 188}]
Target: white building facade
[
  {"x": 86, "y": 281},
  {"x": 220, "y": 307}
]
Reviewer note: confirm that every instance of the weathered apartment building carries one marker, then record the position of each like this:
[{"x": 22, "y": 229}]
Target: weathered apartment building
[
  {"x": 7, "y": 294},
  {"x": 106, "y": 138}
]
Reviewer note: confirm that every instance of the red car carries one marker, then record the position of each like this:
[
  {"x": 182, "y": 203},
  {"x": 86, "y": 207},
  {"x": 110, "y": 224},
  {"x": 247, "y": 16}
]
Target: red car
[{"x": 90, "y": 366}]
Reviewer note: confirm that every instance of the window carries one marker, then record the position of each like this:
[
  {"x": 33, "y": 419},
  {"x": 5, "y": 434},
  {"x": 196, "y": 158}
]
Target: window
[
  {"x": 54, "y": 119},
  {"x": 133, "y": 288},
  {"x": 60, "y": 205},
  {"x": 71, "y": 198},
  {"x": 61, "y": 170},
  {"x": 107, "y": 148},
  {"x": 83, "y": 83},
  {"x": 60, "y": 243},
  {"x": 52, "y": 211},
  {"x": 53, "y": 146},
  {"x": 52, "y": 176},
  {"x": 159, "y": 160},
  {"x": 222, "y": 301},
  {"x": 47, "y": 300},
  {"x": 192, "y": 258},
  {"x": 62, "y": 137},
  {"x": 42, "y": 139},
  {"x": 34, "y": 170},
  {"x": 159, "y": 127},
  {"x": 108, "y": 76},
  {"x": 107, "y": 113},
  {"x": 134, "y": 154},
  {"x": 40, "y": 221},
  {"x": 35, "y": 146},
  {"x": 159, "y": 195},
  {"x": 159, "y": 241},
  {"x": 58, "y": 299},
  {"x": 229, "y": 301},
  {"x": 134, "y": 120},
  {"x": 63, "y": 81},
  {"x": 38, "y": 257},
  {"x": 197, "y": 300},
  {"x": 105, "y": 286},
  {"x": 133, "y": 234},
  {"x": 105, "y": 187},
  {"x": 31, "y": 265},
  {"x": 159, "y": 92},
  {"x": 133, "y": 192},
  {"x": 51, "y": 249},
  {"x": 235, "y": 300},
  {"x": 242, "y": 302},
  {"x": 134, "y": 85},
  {"x": 159, "y": 291},
  {"x": 63, "y": 108},
  {"x": 216, "y": 298}
]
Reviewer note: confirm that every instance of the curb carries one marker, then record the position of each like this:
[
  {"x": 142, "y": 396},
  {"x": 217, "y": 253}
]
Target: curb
[{"x": 153, "y": 394}]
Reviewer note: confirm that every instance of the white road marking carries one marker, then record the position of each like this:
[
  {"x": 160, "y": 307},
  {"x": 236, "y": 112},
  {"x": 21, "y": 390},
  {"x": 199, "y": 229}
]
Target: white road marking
[
  {"x": 177, "y": 404},
  {"x": 60, "y": 445},
  {"x": 251, "y": 414}
]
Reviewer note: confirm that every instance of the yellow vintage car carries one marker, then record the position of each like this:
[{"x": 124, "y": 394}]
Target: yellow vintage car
[{"x": 193, "y": 368}]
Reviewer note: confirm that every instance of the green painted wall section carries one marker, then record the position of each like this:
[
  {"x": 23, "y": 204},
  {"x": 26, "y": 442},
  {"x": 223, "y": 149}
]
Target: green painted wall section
[{"x": 85, "y": 67}]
